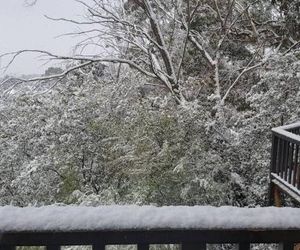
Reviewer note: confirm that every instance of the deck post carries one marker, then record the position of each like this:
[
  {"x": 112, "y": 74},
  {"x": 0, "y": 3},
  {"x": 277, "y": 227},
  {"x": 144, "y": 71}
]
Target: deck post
[
  {"x": 277, "y": 197},
  {"x": 98, "y": 246},
  {"x": 53, "y": 247},
  {"x": 193, "y": 246},
  {"x": 143, "y": 247},
  {"x": 273, "y": 169},
  {"x": 286, "y": 246},
  {"x": 243, "y": 246}
]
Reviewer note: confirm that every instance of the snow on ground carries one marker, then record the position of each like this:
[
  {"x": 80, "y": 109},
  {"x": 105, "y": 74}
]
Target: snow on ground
[{"x": 77, "y": 218}]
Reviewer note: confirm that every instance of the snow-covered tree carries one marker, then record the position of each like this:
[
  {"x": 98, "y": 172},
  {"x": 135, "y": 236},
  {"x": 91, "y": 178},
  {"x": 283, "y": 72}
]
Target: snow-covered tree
[{"x": 106, "y": 129}]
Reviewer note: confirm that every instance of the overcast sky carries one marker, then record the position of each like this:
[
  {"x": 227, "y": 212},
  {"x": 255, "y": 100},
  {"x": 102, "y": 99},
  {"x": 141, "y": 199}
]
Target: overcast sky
[{"x": 24, "y": 27}]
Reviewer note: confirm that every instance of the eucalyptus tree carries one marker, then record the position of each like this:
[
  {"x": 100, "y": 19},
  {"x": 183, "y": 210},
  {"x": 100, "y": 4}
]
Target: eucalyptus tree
[{"x": 153, "y": 37}]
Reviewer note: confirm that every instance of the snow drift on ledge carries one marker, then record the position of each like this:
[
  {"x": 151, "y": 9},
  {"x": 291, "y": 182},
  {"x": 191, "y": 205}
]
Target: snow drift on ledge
[{"x": 79, "y": 218}]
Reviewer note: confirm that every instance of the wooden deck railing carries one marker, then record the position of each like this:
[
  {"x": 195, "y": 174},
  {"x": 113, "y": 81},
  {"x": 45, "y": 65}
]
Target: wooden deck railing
[
  {"x": 188, "y": 239},
  {"x": 285, "y": 163},
  {"x": 191, "y": 227}
]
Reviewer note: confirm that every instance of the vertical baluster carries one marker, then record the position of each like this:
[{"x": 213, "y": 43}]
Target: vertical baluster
[
  {"x": 53, "y": 247},
  {"x": 295, "y": 167},
  {"x": 98, "y": 246},
  {"x": 143, "y": 247},
  {"x": 282, "y": 158},
  {"x": 291, "y": 163},
  {"x": 274, "y": 154},
  {"x": 243, "y": 246},
  {"x": 193, "y": 246},
  {"x": 286, "y": 246},
  {"x": 280, "y": 147},
  {"x": 286, "y": 159},
  {"x": 274, "y": 168}
]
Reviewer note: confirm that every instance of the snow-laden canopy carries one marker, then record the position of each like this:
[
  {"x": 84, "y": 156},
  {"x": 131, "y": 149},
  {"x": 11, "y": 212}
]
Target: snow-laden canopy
[{"x": 80, "y": 218}]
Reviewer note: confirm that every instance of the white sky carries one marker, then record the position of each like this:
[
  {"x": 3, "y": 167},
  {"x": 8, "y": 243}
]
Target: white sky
[{"x": 24, "y": 27}]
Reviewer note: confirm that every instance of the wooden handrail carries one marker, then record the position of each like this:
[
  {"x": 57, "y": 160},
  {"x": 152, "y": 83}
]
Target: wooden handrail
[
  {"x": 193, "y": 227},
  {"x": 188, "y": 239}
]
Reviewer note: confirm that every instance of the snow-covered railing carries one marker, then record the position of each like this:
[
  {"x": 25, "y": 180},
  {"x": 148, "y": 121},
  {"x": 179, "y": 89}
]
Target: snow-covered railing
[
  {"x": 285, "y": 164},
  {"x": 192, "y": 227}
]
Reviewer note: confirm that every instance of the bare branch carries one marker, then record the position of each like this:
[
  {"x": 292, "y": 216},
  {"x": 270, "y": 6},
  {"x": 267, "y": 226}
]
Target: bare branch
[
  {"x": 186, "y": 39},
  {"x": 292, "y": 47},
  {"x": 71, "y": 21},
  {"x": 229, "y": 12},
  {"x": 244, "y": 71},
  {"x": 232, "y": 24},
  {"x": 155, "y": 27},
  {"x": 219, "y": 13},
  {"x": 86, "y": 60},
  {"x": 56, "y": 76},
  {"x": 202, "y": 50},
  {"x": 29, "y": 3},
  {"x": 250, "y": 68}
]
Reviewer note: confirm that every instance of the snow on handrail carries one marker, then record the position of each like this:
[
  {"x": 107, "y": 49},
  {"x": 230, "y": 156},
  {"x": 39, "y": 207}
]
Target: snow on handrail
[
  {"x": 289, "y": 126},
  {"x": 284, "y": 132},
  {"x": 132, "y": 217}
]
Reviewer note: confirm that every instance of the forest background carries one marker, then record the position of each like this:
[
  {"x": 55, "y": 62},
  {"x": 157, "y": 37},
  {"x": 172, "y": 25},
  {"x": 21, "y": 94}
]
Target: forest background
[{"x": 175, "y": 109}]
